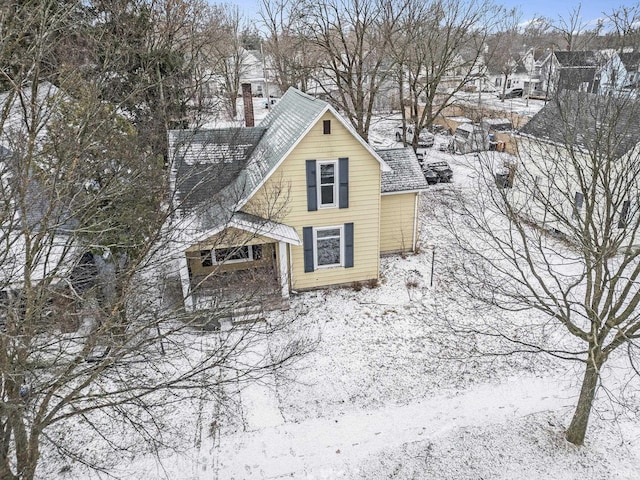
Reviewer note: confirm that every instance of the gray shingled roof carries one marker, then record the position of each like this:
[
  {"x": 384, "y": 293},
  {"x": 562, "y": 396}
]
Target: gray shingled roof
[
  {"x": 215, "y": 171},
  {"x": 577, "y": 118},
  {"x": 631, "y": 60},
  {"x": 583, "y": 58},
  {"x": 207, "y": 161},
  {"x": 294, "y": 113},
  {"x": 405, "y": 175}
]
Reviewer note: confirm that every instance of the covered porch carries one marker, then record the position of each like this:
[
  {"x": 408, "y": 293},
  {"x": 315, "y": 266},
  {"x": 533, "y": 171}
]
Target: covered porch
[{"x": 239, "y": 267}]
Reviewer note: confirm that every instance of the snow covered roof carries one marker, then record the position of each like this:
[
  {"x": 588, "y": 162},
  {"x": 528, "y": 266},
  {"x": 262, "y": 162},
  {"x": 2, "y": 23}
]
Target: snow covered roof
[
  {"x": 207, "y": 161},
  {"x": 405, "y": 175},
  {"x": 217, "y": 176},
  {"x": 500, "y": 124}
]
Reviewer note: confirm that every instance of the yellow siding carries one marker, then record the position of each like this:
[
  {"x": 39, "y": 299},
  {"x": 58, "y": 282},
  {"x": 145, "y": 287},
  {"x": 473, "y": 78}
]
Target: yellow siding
[
  {"x": 397, "y": 222},
  {"x": 363, "y": 211}
]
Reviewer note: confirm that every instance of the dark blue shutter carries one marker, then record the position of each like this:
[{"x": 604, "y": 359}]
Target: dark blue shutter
[
  {"x": 312, "y": 194},
  {"x": 348, "y": 245},
  {"x": 343, "y": 195},
  {"x": 307, "y": 241}
]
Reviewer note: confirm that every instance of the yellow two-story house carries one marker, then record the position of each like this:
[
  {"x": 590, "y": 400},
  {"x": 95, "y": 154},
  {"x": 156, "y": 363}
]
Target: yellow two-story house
[{"x": 299, "y": 202}]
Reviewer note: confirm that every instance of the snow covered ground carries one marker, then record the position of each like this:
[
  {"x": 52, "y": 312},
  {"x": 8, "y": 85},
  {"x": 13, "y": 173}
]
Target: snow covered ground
[{"x": 391, "y": 391}]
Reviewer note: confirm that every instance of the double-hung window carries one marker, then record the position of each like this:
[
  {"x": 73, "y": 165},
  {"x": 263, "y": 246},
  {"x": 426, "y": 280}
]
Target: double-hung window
[
  {"x": 329, "y": 246},
  {"x": 326, "y": 247},
  {"x": 327, "y": 182}
]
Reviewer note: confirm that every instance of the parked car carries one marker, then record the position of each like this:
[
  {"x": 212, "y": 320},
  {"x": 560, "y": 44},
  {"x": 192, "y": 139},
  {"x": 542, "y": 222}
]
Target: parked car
[
  {"x": 430, "y": 175},
  {"x": 425, "y": 139},
  {"x": 513, "y": 93},
  {"x": 441, "y": 168}
]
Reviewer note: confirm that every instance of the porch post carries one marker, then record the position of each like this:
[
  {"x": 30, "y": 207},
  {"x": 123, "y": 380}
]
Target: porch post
[
  {"x": 185, "y": 281},
  {"x": 284, "y": 269}
]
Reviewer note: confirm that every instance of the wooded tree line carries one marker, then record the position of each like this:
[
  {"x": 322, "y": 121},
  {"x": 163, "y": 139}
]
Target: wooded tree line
[
  {"x": 367, "y": 55},
  {"x": 88, "y": 92},
  {"x": 89, "y": 329}
]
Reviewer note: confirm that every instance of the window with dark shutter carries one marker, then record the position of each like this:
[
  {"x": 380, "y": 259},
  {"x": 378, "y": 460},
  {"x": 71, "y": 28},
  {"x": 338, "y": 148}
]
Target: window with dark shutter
[
  {"x": 348, "y": 245},
  {"x": 312, "y": 192},
  {"x": 327, "y": 184},
  {"x": 326, "y": 127},
  {"x": 343, "y": 177},
  {"x": 307, "y": 242}
]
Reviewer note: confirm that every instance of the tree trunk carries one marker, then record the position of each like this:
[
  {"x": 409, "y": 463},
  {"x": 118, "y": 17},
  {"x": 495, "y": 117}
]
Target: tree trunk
[{"x": 578, "y": 428}]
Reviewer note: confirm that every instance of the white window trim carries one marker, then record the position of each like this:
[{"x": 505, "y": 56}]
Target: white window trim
[
  {"x": 336, "y": 183},
  {"x": 251, "y": 257},
  {"x": 315, "y": 247}
]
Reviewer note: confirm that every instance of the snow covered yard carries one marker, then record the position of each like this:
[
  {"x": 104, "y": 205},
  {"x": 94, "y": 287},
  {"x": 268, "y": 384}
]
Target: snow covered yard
[{"x": 393, "y": 391}]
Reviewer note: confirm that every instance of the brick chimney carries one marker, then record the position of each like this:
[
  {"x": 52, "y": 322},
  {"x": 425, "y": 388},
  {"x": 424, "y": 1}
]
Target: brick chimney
[{"x": 249, "y": 119}]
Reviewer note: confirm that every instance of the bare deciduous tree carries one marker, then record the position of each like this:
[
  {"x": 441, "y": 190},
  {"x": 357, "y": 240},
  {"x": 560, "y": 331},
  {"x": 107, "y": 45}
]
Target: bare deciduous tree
[
  {"x": 291, "y": 53},
  {"x": 438, "y": 52},
  {"x": 564, "y": 239},
  {"x": 504, "y": 55},
  {"x": 575, "y": 32},
  {"x": 86, "y": 330},
  {"x": 353, "y": 40},
  {"x": 625, "y": 32},
  {"x": 227, "y": 54}
]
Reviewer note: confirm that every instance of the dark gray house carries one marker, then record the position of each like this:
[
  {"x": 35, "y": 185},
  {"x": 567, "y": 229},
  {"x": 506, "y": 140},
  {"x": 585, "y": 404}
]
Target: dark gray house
[{"x": 573, "y": 70}]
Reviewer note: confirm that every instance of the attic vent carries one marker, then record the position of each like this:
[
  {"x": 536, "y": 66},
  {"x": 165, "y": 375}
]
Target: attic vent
[{"x": 326, "y": 127}]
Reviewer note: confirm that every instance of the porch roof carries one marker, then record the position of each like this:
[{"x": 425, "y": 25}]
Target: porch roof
[
  {"x": 242, "y": 221},
  {"x": 265, "y": 228}
]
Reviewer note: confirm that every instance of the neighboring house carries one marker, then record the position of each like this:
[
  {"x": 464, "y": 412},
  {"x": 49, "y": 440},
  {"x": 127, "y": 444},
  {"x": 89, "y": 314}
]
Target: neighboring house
[
  {"x": 517, "y": 77},
  {"x": 630, "y": 71},
  {"x": 257, "y": 70},
  {"x": 578, "y": 71},
  {"x": 32, "y": 211},
  {"x": 585, "y": 133},
  {"x": 301, "y": 201},
  {"x": 467, "y": 68}
]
